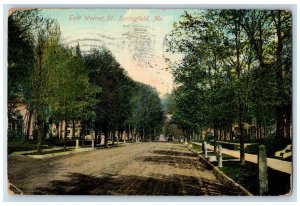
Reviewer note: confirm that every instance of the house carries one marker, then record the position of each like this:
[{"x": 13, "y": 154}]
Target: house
[
  {"x": 20, "y": 120},
  {"x": 23, "y": 122}
]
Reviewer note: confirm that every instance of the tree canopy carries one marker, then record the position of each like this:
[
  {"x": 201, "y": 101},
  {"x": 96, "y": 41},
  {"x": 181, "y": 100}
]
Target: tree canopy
[
  {"x": 235, "y": 69},
  {"x": 61, "y": 84}
]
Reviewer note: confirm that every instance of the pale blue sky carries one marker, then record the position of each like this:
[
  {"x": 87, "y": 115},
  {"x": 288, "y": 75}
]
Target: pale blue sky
[{"x": 138, "y": 46}]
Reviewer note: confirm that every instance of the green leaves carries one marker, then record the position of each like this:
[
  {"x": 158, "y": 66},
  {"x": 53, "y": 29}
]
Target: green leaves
[
  {"x": 146, "y": 108},
  {"x": 230, "y": 69},
  {"x": 123, "y": 101},
  {"x": 20, "y": 58}
]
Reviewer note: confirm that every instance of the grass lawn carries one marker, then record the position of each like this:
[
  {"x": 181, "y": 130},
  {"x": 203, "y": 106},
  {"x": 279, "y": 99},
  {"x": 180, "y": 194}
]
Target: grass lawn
[
  {"x": 197, "y": 148},
  {"x": 17, "y": 145},
  {"x": 49, "y": 152},
  {"x": 272, "y": 145},
  {"x": 224, "y": 156},
  {"x": 247, "y": 176}
]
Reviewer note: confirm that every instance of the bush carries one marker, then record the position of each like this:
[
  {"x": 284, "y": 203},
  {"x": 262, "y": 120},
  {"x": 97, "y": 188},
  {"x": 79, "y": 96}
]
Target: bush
[
  {"x": 56, "y": 141},
  {"x": 15, "y": 135},
  {"x": 229, "y": 145},
  {"x": 209, "y": 138},
  {"x": 20, "y": 144},
  {"x": 272, "y": 145}
]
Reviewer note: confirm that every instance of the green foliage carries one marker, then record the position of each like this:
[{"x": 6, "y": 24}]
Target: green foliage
[
  {"x": 59, "y": 83},
  {"x": 146, "y": 110},
  {"x": 20, "y": 144},
  {"x": 106, "y": 73},
  {"x": 272, "y": 145},
  {"x": 229, "y": 145},
  {"x": 70, "y": 93},
  {"x": 20, "y": 58},
  {"x": 123, "y": 102},
  {"x": 231, "y": 70}
]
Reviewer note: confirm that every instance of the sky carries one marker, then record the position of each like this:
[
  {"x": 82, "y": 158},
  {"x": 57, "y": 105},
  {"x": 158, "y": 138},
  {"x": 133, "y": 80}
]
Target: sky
[{"x": 136, "y": 37}]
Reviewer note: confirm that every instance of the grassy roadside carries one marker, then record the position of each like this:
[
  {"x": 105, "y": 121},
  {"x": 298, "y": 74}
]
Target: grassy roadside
[
  {"x": 17, "y": 145},
  {"x": 247, "y": 175}
]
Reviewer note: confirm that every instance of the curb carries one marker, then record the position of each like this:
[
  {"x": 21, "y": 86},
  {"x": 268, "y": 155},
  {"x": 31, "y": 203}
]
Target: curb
[
  {"x": 59, "y": 152},
  {"x": 46, "y": 156},
  {"x": 221, "y": 176}
]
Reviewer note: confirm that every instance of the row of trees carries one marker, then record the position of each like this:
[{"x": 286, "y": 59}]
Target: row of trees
[
  {"x": 60, "y": 84},
  {"x": 236, "y": 68}
]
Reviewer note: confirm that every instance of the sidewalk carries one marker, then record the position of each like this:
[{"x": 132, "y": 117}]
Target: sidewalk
[
  {"x": 57, "y": 151},
  {"x": 276, "y": 164}
]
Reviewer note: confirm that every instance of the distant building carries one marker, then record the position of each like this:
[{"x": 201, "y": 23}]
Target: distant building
[
  {"x": 19, "y": 117},
  {"x": 21, "y": 121}
]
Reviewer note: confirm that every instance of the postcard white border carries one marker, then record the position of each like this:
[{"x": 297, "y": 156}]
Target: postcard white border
[{"x": 37, "y": 198}]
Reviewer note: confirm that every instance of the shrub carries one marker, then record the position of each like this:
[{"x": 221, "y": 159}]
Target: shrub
[
  {"x": 272, "y": 145},
  {"x": 20, "y": 144},
  {"x": 229, "y": 145}
]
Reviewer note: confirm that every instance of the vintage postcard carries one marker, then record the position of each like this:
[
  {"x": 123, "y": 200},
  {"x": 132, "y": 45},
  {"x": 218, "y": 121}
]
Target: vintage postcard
[{"x": 149, "y": 102}]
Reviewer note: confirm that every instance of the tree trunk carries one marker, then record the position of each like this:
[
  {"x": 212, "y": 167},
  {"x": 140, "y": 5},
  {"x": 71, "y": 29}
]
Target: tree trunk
[
  {"x": 129, "y": 133},
  {"x": 215, "y": 139},
  {"x": 279, "y": 122},
  {"x": 112, "y": 136},
  {"x": 240, "y": 105},
  {"x": 83, "y": 134},
  {"x": 288, "y": 128},
  {"x": 57, "y": 129},
  {"x": 279, "y": 78},
  {"x": 143, "y": 133},
  {"x": 100, "y": 136},
  {"x": 288, "y": 123},
  {"x": 124, "y": 136},
  {"x": 40, "y": 123},
  {"x": 134, "y": 134},
  {"x": 29, "y": 124},
  {"x": 256, "y": 132},
  {"x": 60, "y": 130},
  {"x": 73, "y": 128},
  {"x": 65, "y": 134},
  {"x": 260, "y": 130},
  {"x": 105, "y": 130},
  {"x": 119, "y": 137},
  {"x": 242, "y": 144},
  {"x": 96, "y": 135},
  {"x": 45, "y": 128}
]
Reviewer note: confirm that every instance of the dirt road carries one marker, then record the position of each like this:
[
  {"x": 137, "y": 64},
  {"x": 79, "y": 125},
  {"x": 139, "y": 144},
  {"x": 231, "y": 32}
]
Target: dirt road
[{"x": 155, "y": 168}]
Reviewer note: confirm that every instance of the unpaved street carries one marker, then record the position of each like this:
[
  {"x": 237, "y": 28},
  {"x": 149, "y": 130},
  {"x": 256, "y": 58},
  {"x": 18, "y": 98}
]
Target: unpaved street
[{"x": 155, "y": 168}]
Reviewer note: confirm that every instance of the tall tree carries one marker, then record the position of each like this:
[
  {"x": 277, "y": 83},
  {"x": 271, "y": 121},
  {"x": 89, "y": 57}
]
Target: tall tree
[
  {"x": 232, "y": 70},
  {"x": 106, "y": 73},
  {"x": 20, "y": 64}
]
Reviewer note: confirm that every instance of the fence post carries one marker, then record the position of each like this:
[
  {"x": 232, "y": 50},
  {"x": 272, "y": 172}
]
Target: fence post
[
  {"x": 77, "y": 144},
  {"x": 219, "y": 155},
  {"x": 262, "y": 170},
  {"x": 205, "y": 149}
]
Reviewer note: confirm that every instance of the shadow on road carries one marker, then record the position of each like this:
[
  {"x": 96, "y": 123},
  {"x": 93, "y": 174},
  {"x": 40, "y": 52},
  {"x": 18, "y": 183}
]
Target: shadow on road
[
  {"x": 177, "y": 162},
  {"x": 81, "y": 184},
  {"x": 174, "y": 153},
  {"x": 176, "y": 159}
]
